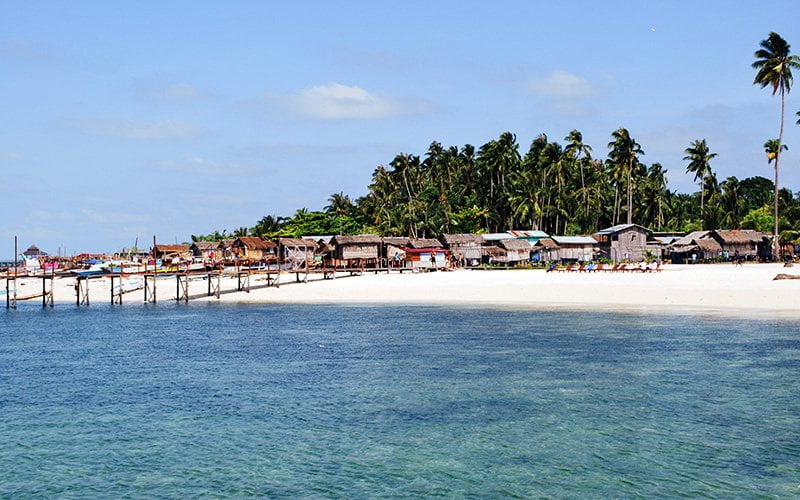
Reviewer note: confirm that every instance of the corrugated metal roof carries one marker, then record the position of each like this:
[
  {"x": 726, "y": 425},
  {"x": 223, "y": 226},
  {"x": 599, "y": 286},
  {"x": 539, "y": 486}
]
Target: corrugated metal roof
[
  {"x": 529, "y": 233},
  {"x": 497, "y": 236},
  {"x": 574, "y": 240},
  {"x": 619, "y": 227}
]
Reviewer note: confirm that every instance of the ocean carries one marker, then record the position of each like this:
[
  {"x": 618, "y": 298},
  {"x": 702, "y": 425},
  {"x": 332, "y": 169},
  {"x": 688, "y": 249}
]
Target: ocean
[{"x": 371, "y": 401}]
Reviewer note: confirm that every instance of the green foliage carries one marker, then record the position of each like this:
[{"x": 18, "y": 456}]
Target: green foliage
[{"x": 760, "y": 219}]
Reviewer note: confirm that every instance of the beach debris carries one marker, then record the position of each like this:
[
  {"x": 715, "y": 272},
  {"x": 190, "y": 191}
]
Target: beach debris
[{"x": 783, "y": 276}]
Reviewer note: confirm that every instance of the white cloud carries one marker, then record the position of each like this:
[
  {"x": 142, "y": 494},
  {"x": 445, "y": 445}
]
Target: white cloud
[
  {"x": 138, "y": 130},
  {"x": 563, "y": 85},
  {"x": 342, "y": 102}
]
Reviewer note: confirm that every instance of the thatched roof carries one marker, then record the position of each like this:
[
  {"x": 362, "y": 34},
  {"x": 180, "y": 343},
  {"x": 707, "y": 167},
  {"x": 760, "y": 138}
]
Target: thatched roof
[
  {"x": 738, "y": 236},
  {"x": 461, "y": 239},
  {"x": 424, "y": 243},
  {"x": 224, "y": 244},
  {"x": 171, "y": 248},
  {"x": 517, "y": 245},
  {"x": 360, "y": 239},
  {"x": 547, "y": 244},
  {"x": 297, "y": 242},
  {"x": 205, "y": 245},
  {"x": 254, "y": 243},
  {"x": 708, "y": 245},
  {"x": 398, "y": 241},
  {"x": 493, "y": 251}
]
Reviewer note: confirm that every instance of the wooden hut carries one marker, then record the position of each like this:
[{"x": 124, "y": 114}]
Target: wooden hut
[
  {"x": 623, "y": 242},
  {"x": 205, "y": 250},
  {"x": 516, "y": 251},
  {"x": 746, "y": 243},
  {"x": 697, "y": 245},
  {"x": 359, "y": 249},
  {"x": 254, "y": 248},
  {"x": 226, "y": 250},
  {"x": 297, "y": 253},
  {"x": 466, "y": 248},
  {"x": 575, "y": 248},
  {"x": 546, "y": 250},
  {"x": 170, "y": 252},
  {"x": 394, "y": 250}
]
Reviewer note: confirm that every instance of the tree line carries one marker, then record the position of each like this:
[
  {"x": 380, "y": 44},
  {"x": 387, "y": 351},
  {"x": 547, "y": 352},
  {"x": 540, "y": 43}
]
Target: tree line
[{"x": 558, "y": 187}]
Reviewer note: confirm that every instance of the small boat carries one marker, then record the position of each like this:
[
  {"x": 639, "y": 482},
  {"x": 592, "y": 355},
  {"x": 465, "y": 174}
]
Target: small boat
[{"x": 95, "y": 269}]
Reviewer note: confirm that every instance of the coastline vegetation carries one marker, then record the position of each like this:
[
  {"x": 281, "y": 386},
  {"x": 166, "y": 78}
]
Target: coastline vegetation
[{"x": 562, "y": 188}]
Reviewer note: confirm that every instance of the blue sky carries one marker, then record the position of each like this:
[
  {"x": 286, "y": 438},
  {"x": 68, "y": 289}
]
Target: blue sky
[{"x": 173, "y": 118}]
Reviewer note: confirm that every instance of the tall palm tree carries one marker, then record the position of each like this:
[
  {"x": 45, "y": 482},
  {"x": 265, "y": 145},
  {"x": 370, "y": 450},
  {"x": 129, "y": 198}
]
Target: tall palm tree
[
  {"x": 773, "y": 148},
  {"x": 774, "y": 64},
  {"x": 625, "y": 150},
  {"x": 699, "y": 158},
  {"x": 575, "y": 148}
]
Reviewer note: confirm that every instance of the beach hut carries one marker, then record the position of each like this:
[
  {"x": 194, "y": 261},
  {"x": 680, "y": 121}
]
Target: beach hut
[
  {"x": 359, "y": 249},
  {"x": 516, "y": 251},
  {"x": 575, "y": 248},
  {"x": 623, "y": 242},
  {"x": 545, "y": 250},
  {"x": 170, "y": 252},
  {"x": 254, "y": 248},
  {"x": 687, "y": 248},
  {"x": 33, "y": 252},
  {"x": 225, "y": 248},
  {"x": 466, "y": 248},
  {"x": 205, "y": 250},
  {"x": 297, "y": 253},
  {"x": 394, "y": 250},
  {"x": 746, "y": 243}
]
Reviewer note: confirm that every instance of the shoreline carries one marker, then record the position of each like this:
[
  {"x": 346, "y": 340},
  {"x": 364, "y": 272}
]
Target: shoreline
[{"x": 721, "y": 290}]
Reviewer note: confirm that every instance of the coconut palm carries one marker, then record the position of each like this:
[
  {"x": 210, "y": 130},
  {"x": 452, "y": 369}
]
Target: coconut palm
[
  {"x": 774, "y": 64},
  {"x": 699, "y": 158},
  {"x": 625, "y": 151}
]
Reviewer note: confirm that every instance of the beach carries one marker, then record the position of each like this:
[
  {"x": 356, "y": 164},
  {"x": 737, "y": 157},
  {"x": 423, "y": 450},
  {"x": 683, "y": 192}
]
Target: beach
[{"x": 724, "y": 288}]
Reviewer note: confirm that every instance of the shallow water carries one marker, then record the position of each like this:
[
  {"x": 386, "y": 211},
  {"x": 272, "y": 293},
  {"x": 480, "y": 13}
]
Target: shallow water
[{"x": 179, "y": 401}]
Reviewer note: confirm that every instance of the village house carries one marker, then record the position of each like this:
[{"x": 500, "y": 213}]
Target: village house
[
  {"x": 516, "y": 251},
  {"x": 746, "y": 243},
  {"x": 205, "y": 250},
  {"x": 357, "y": 250},
  {"x": 466, "y": 248},
  {"x": 297, "y": 253},
  {"x": 171, "y": 252},
  {"x": 623, "y": 242},
  {"x": 254, "y": 248}
]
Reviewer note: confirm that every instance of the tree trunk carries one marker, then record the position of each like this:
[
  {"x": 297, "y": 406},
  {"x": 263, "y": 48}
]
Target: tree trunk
[
  {"x": 776, "y": 246},
  {"x": 630, "y": 191},
  {"x": 702, "y": 196}
]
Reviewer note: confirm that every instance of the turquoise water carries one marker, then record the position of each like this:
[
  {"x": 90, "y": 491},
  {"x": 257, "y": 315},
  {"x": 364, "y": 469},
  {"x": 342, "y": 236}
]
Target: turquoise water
[{"x": 287, "y": 401}]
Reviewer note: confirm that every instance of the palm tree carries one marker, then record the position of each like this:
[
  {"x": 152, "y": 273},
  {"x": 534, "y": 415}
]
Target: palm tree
[
  {"x": 339, "y": 204},
  {"x": 774, "y": 64},
  {"x": 699, "y": 158},
  {"x": 624, "y": 151},
  {"x": 773, "y": 148},
  {"x": 575, "y": 148}
]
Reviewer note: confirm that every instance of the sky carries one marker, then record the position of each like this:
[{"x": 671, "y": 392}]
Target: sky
[{"x": 121, "y": 121}]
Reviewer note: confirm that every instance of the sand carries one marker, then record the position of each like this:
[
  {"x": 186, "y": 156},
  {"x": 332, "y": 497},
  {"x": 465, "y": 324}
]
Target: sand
[{"x": 723, "y": 289}]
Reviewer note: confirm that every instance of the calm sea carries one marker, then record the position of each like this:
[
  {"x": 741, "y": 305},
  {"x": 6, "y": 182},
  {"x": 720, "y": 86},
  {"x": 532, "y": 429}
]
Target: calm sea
[{"x": 288, "y": 401}]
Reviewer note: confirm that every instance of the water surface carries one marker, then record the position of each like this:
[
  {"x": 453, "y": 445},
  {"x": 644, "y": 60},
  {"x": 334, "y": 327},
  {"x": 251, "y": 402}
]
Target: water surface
[{"x": 179, "y": 401}]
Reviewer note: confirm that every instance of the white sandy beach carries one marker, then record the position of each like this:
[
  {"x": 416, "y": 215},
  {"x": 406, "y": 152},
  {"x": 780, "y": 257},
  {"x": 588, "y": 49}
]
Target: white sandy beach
[{"x": 727, "y": 289}]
